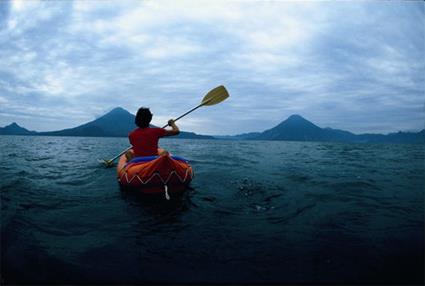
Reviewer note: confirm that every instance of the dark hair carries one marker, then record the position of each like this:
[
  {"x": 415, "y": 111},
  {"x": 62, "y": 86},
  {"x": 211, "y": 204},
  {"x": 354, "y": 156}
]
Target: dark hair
[{"x": 143, "y": 117}]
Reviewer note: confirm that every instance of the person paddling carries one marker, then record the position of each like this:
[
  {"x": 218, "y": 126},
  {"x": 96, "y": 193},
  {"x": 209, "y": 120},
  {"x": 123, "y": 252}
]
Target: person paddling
[
  {"x": 213, "y": 97},
  {"x": 144, "y": 139}
]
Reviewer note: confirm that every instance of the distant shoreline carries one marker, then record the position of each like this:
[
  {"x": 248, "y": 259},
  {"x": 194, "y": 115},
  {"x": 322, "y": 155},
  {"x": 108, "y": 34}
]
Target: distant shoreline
[
  {"x": 227, "y": 139},
  {"x": 119, "y": 122}
]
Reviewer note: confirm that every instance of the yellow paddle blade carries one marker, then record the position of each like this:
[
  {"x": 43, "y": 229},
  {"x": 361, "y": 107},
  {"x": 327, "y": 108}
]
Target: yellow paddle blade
[{"x": 215, "y": 96}]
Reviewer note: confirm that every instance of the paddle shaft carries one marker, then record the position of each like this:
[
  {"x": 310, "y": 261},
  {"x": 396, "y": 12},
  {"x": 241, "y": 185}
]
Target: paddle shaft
[
  {"x": 181, "y": 116},
  {"x": 110, "y": 160}
]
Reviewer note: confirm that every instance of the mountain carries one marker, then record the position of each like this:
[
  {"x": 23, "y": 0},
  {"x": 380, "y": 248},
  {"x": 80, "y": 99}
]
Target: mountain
[
  {"x": 116, "y": 123},
  {"x": 297, "y": 128},
  {"x": 15, "y": 129}
]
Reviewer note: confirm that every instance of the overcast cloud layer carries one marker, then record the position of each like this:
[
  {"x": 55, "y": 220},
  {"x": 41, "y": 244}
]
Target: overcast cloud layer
[{"x": 357, "y": 66}]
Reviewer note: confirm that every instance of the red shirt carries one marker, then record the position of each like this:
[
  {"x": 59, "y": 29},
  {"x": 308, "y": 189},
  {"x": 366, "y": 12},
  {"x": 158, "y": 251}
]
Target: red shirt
[{"x": 145, "y": 140}]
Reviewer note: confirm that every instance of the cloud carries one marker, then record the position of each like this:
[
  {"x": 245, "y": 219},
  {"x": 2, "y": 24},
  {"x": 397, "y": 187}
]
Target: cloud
[{"x": 350, "y": 65}]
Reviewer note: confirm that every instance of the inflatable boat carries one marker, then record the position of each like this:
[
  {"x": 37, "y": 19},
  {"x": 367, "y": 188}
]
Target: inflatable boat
[{"x": 155, "y": 174}]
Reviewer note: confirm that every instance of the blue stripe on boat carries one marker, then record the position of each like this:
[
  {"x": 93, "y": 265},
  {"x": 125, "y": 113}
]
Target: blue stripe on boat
[{"x": 151, "y": 158}]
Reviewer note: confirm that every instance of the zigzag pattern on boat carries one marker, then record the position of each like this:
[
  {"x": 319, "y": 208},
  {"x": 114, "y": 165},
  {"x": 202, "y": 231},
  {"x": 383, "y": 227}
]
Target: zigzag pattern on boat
[{"x": 187, "y": 173}]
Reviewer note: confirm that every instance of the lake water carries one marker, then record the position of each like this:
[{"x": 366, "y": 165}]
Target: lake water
[{"x": 257, "y": 212}]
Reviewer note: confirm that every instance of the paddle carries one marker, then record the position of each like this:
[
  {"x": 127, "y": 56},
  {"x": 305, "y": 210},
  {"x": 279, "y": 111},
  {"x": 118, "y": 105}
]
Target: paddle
[{"x": 213, "y": 97}]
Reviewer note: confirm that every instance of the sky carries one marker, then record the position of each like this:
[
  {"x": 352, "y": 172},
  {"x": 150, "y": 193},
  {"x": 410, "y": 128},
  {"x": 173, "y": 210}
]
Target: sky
[{"x": 351, "y": 65}]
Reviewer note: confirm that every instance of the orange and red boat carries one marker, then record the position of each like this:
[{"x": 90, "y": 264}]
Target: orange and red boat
[{"x": 155, "y": 174}]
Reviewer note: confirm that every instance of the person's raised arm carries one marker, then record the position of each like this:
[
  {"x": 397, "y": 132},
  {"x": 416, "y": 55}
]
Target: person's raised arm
[{"x": 174, "y": 129}]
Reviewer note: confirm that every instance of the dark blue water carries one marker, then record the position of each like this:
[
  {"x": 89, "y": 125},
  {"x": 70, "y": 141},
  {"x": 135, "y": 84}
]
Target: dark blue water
[{"x": 258, "y": 212}]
